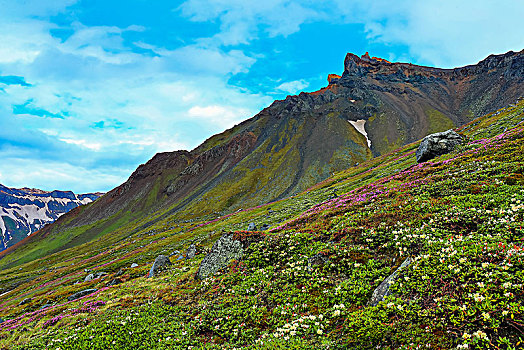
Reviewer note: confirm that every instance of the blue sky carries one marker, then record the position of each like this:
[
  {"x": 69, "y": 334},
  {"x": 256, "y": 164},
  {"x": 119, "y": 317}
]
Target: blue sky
[{"x": 91, "y": 89}]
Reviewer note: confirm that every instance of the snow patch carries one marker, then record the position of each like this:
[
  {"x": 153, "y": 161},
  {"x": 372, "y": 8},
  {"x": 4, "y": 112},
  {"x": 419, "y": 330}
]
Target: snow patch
[{"x": 359, "y": 125}]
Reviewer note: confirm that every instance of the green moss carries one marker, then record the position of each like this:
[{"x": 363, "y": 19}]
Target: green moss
[{"x": 438, "y": 121}]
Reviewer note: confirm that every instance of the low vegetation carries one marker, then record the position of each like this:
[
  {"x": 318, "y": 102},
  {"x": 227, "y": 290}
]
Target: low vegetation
[{"x": 308, "y": 280}]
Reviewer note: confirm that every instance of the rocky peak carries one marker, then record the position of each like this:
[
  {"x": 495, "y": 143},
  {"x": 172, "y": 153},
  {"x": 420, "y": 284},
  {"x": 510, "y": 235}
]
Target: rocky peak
[
  {"x": 160, "y": 162},
  {"x": 510, "y": 63},
  {"x": 333, "y": 78}
]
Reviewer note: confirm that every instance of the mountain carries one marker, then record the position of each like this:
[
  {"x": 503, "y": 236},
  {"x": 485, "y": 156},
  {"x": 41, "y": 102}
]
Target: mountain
[
  {"x": 26, "y": 210},
  {"x": 374, "y": 107},
  {"x": 442, "y": 242}
]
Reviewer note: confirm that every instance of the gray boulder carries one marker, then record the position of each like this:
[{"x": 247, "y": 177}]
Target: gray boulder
[
  {"x": 80, "y": 294},
  {"x": 25, "y": 301},
  {"x": 95, "y": 275},
  {"x": 191, "y": 252},
  {"x": 383, "y": 289},
  {"x": 435, "y": 145},
  {"x": 133, "y": 265},
  {"x": 251, "y": 226},
  {"x": 161, "y": 263},
  {"x": 223, "y": 251},
  {"x": 265, "y": 227}
]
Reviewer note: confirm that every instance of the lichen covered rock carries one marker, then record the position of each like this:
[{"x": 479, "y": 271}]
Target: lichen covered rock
[
  {"x": 161, "y": 263},
  {"x": 435, "y": 145},
  {"x": 225, "y": 249}
]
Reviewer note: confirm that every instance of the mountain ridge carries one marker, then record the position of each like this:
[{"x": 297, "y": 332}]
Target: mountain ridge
[
  {"x": 26, "y": 210},
  {"x": 454, "y": 223},
  {"x": 301, "y": 140}
]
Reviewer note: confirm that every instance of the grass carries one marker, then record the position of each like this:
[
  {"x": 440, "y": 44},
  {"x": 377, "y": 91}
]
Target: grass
[{"x": 458, "y": 217}]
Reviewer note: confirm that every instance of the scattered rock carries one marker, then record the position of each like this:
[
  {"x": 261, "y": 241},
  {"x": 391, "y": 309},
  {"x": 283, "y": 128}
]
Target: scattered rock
[
  {"x": 161, "y": 262},
  {"x": 191, "y": 252},
  {"x": 114, "y": 282},
  {"x": 383, "y": 289},
  {"x": 435, "y": 145},
  {"x": 251, "y": 226},
  {"x": 95, "y": 275},
  {"x": 317, "y": 259},
  {"x": 46, "y": 306},
  {"x": 25, "y": 301},
  {"x": 265, "y": 227},
  {"x": 180, "y": 257},
  {"x": 176, "y": 252},
  {"x": 133, "y": 265},
  {"x": 223, "y": 251},
  {"x": 80, "y": 294}
]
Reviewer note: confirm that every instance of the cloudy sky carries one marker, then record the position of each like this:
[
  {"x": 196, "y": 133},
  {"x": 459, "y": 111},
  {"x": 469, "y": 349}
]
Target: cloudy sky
[{"x": 91, "y": 89}]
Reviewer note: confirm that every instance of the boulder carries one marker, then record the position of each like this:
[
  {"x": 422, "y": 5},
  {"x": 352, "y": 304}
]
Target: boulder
[
  {"x": 95, "y": 275},
  {"x": 1, "y": 320},
  {"x": 435, "y": 145},
  {"x": 161, "y": 263},
  {"x": 265, "y": 227},
  {"x": 80, "y": 294},
  {"x": 191, "y": 252},
  {"x": 383, "y": 289},
  {"x": 223, "y": 251},
  {"x": 46, "y": 306},
  {"x": 133, "y": 265},
  {"x": 251, "y": 226},
  {"x": 25, "y": 301}
]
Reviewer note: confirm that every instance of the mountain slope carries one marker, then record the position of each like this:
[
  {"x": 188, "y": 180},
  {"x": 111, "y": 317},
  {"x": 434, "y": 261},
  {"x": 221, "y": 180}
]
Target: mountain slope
[
  {"x": 25, "y": 211},
  {"x": 295, "y": 143},
  {"x": 457, "y": 220}
]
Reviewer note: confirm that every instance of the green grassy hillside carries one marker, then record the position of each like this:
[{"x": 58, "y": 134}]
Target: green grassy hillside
[{"x": 459, "y": 218}]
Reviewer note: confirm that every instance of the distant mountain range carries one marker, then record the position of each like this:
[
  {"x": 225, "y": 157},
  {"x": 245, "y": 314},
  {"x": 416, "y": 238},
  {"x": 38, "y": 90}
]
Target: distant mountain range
[{"x": 26, "y": 210}]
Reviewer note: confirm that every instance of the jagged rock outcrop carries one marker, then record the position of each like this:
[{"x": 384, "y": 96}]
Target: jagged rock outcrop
[
  {"x": 161, "y": 263},
  {"x": 225, "y": 249},
  {"x": 81, "y": 294},
  {"x": 437, "y": 144}
]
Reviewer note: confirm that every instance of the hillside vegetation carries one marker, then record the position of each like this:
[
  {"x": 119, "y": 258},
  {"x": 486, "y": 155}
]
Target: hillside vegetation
[
  {"x": 286, "y": 148},
  {"x": 307, "y": 282}
]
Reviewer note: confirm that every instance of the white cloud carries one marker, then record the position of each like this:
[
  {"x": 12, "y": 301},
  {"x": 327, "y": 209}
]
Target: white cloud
[
  {"x": 242, "y": 21},
  {"x": 94, "y": 79},
  {"x": 222, "y": 116},
  {"x": 443, "y": 33},
  {"x": 84, "y": 143},
  {"x": 56, "y": 175},
  {"x": 293, "y": 87},
  {"x": 440, "y": 32}
]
